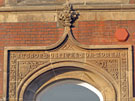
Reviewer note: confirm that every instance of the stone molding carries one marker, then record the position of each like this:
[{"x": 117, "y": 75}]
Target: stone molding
[
  {"x": 12, "y": 17},
  {"x": 58, "y": 2},
  {"x": 109, "y": 7}
]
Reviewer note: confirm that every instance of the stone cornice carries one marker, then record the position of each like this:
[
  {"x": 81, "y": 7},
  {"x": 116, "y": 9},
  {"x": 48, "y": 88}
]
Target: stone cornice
[{"x": 103, "y": 7}]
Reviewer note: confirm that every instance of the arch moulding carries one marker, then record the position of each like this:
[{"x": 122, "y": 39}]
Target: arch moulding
[
  {"x": 108, "y": 68},
  {"x": 100, "y": 66}
]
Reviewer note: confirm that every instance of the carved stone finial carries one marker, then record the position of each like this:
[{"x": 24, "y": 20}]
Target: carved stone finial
[{"x": 67, "y": 16}]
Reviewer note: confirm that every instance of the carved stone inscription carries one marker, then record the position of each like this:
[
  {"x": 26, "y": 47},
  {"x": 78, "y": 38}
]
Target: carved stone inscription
[{"x": 114, "y": 61}]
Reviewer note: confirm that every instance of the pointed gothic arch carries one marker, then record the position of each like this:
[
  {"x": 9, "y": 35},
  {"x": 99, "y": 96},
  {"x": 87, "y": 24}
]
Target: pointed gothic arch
[{"x": 67, "y": 71}]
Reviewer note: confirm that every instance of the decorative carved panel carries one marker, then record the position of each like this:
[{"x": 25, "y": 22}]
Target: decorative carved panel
[{"x": 115, "y": 61}]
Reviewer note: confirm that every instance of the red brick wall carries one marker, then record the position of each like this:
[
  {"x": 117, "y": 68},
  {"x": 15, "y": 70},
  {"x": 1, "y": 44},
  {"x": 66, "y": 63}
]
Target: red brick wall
[
  {"x": 132, "y": 2},
  {"x": 102, "y": 32},
  {"x": 26, "y": 34},
  {"x": 43, "y": 34},
  {"x": 1, "y": 2}
]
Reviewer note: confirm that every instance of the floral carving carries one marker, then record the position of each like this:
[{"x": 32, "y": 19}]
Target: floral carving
[
  {"x": 26, "y": 67},
  {"x": 68, "y": 16},
  {"x": 109, "y": 65}
]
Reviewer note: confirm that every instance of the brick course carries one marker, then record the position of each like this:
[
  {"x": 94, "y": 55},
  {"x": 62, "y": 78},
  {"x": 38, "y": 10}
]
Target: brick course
[
  {"x": 47, "y": 33},
  {"x": 132, "y": 2},
  {"x": 1, "y": 2}
]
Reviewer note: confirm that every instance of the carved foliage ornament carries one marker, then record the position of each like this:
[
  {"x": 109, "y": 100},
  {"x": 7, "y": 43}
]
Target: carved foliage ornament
[{"x": 68, "y": 16}]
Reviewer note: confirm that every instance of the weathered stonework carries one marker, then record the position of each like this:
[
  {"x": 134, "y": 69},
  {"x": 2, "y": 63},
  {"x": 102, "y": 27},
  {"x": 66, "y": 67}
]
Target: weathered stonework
[
  {"x": 108, "y": 68},
  {"x": 114, "y": 61},
  {"x": 52, "y": 2},
  {"x": 14, "y": 17},
  {"x": 68, "y": 16},
  {"x": 111, "y": 62}
]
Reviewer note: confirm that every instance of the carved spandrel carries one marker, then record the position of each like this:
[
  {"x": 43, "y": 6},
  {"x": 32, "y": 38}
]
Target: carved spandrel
[
  {"x": 26, "y": 67},
  {"x": 109, "y": 65},
  {"x": 21, "y": 64},
  {"x": 105, "y": 63}
]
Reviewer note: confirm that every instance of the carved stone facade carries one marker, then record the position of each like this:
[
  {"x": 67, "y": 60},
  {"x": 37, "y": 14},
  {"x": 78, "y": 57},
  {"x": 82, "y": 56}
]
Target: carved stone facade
[
  {"x": 111, "y": 62},
  {"x": 114, "y": 61},
  {"x": 28, "y": 70}
]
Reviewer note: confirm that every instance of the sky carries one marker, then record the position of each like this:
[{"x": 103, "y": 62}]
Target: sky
[{"x": 67, "y": 92}]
